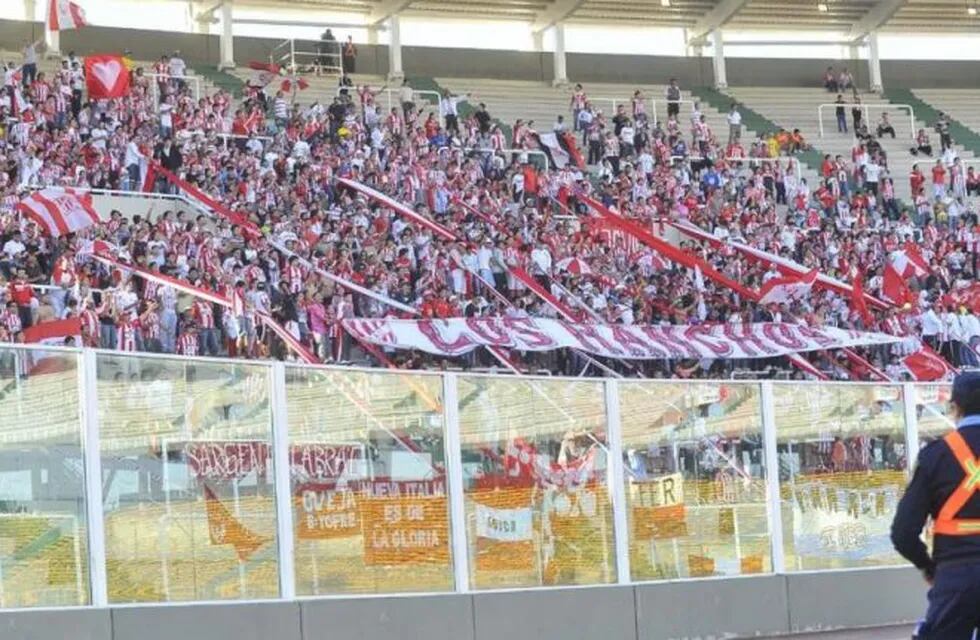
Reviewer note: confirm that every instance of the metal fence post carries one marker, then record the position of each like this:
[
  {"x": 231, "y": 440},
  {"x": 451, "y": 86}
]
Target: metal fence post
[
  {"x": 774, "y": 507},
  {"x": 911, "y": 426},
  {"x": 616, "y": 481},
  {"x": 283, "y": 484},
  {"x": 454, "y": 471},
  {"x": 88, "y": 405}
]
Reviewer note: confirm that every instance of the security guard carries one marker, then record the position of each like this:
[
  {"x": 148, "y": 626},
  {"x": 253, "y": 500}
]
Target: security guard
[{"x": 946, "y": 486}]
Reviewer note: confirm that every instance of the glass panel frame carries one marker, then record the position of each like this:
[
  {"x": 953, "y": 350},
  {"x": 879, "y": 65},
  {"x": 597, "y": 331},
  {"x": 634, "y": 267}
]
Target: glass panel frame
[
  {"x": 842, "y": 451},
  {"x": 189, "y": 491},
  {"x": 694, "y": 479}
]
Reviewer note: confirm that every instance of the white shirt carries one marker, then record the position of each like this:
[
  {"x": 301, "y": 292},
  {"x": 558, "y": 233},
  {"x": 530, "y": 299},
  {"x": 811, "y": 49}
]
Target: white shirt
[
  {"x": 133, "y": 155},
  {"x": 931, "y": 324},
  {"x": 13, "y": 248},
  {"x": 541, "y": 258},
  {"x": 735, "y": 119},
  {"x": 177, "y": 67},
  {"x": 449, "y": 106},
  {"x": 872, "y": 171}
]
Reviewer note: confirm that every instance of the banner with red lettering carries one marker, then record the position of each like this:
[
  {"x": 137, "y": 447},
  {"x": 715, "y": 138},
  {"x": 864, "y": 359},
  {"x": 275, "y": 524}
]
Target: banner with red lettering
[{"x": 457, "y": 336}]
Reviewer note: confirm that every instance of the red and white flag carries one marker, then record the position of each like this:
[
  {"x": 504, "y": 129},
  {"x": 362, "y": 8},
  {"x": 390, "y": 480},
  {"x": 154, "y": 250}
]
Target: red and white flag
[
  {"x": 262, "y": 73},
  {"x": 64, "y": 15},
  {"x": 788, "y": 288},
  {"x": 55, "y": 333},
  {"x": 894, "y": 288},
  {"x": 926, "y": 365},
  {"x": 294, "y": 82},
  {"x": 106, "y": 76},
  {"x": 59, "y": 211},
  {"x": 908, "y": 262}
]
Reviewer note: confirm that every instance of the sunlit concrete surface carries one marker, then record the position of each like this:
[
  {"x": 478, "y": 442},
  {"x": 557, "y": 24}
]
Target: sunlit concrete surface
[{"x": 880, "y": 633}]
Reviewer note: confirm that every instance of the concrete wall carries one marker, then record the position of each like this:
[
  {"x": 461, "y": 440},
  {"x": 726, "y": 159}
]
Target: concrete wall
[
  {"x": 515, "y": 65},
  {"x": 734, "y": 607}
]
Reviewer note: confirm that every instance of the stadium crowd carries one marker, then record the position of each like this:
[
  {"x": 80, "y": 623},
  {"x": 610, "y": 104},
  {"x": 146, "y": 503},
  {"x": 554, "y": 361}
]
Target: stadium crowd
[{"x": 505, "y": 209}]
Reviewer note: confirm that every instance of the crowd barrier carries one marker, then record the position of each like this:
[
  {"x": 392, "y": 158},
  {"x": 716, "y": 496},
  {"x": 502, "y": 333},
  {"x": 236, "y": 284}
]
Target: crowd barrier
[{"x": 138, "y": 478}]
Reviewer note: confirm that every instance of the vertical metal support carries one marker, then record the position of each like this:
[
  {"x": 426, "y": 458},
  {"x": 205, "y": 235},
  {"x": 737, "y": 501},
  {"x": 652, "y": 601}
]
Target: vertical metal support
[
  {"x": 454, "y": 469},
  {"x": 874, "y": 62},
  {"x": 561, "y": 66},
  {"x": 226, "y": 43},
  {"x": 395, "y": 72},
  {"x": 911, "y": 426},
  {"x": 774, "y": 506},
  {"x": 283, "y": 484},
  {"x": 720, "y": 69},
  {"x": 88, "y": 405},
  {"x": 616, "y": 480}
]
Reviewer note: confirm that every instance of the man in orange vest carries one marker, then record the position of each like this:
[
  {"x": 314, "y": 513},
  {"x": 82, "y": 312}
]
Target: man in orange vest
[{"x": 946, "y": 487}]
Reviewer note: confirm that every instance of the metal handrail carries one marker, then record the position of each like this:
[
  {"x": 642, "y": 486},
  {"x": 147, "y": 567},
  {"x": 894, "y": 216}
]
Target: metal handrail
[
  {"x": 796, "y": 165},
  {"x": 193, "y": 80},
  {"x": 883, "y": 106},
  {"x": 487, "y": 150},
  {"x": 290, "y": 57}
]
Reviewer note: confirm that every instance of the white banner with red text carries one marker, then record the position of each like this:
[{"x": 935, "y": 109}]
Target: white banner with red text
[{"x": 457, "y": 336}]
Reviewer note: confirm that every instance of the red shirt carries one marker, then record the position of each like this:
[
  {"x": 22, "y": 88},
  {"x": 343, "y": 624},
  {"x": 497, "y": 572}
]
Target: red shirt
[
  {"x": 21, "y": 293},
  {"x": 939, "y": 175}
]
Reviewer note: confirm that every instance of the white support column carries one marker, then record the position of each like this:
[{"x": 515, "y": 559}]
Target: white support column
[
  {"x": 911, "y": 426},
  {"x": 196, "y": 22},
  {"x": 52, "y": 42},
  {"x": 395, "y": 72},
  {"x": 30, "y": 10},
  {"x": 283, "y": 483},
  {"x": 774, "y": 507},
  {"x": 721, "y": 72},
  {"x": 88, "y": 403},
  {"x": 874, "y": 62},
  {"x": 227, "y": 42},
  {"x": 561, "y": 70},
  {"x": 616, "y": 481},
  {"x": 454, "y": 471}
]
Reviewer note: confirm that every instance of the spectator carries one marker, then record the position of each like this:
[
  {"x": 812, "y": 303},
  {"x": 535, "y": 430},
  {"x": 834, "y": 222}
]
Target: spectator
[
  {"x": 857, "y": 114},
  {"x": 734, "y": 124},
  {"x": 673, "y": 95},
  {"x": 350, "y": 56},
  {"x": 841, "y": 114},
  {"x": 830, "y": 81},
  {"x": 29, "y": 69},
  {"x": 578, "y": 103},
  {"x": 884, "y": 126},
  {"x": 922, "y": 144}
]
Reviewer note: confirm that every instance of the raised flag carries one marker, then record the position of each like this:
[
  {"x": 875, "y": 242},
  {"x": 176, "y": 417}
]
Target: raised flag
[
  {"x": 788, "y": 288},
  {"x": 106, "y": 76},
  {"x": 858, "y": 302},
  {"x": 908, "y": 262},
  {"x": 550, "y": 144},
  {"x": 894, "y": 288},
  {"x": 64, "y": 15},
  {"x": 294, "y": 82},
  {"x": 926, "y": 365},
  {"x": 59, "y": 211}
]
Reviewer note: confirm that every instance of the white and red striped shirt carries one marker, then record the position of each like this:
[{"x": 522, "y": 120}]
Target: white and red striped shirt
[
  {"x": 187, "y": 344},
  {"x": 204, "y": 314},
  {"x": 126, "y": 334},
  {"x": 11, "y": 320}
]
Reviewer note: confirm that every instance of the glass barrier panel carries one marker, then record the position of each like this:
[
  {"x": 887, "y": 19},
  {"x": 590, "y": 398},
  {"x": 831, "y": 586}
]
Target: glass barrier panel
[
  {"x": 188, "y": 479},
  {"x": 43, "y": 532},
  {"x": 368, "y": 482},
  {"x": 842, "y": 470},
  {"x": 933, "y": 412},
  {"x": 694, "y": 470},
  {"x": 537, "y": 501}
]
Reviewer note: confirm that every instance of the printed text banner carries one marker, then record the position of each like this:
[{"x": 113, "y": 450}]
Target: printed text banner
[{"x": 457, "y": 336}]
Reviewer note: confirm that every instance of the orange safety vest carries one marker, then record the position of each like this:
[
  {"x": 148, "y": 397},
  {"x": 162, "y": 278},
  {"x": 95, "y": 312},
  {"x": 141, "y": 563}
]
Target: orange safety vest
[{"x": 947, "y": 523}]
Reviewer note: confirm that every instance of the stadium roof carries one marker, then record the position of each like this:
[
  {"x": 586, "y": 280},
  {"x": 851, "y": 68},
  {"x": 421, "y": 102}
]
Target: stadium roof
[{"x": 853, "y": 17}]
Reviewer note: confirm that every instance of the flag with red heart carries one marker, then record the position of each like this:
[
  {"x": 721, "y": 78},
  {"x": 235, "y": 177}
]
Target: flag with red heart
[{"x": 106, "y": 76}]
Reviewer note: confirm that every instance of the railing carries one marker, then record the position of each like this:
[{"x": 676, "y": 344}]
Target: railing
[
  {"x": 866, "y": 108},
  {"x": 748, "y": 160},
  {"x": 654, "y": 116},
  {"x": 237, "y": 136},
  {"x": 392, "y": 100},
  {"x": 286, "y": 55},
  {"x": 473, "y": 481},
  {"x": 485, "y": 151},
  {"x": 193, "y": 81}
]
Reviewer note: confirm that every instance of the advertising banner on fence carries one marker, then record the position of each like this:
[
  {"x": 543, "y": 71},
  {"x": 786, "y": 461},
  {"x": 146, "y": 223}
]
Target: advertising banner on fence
[
  {"x": 658, "y": 508},
  {"x": 407, "y": 526},
  {"x": 457, "y": 336}
]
